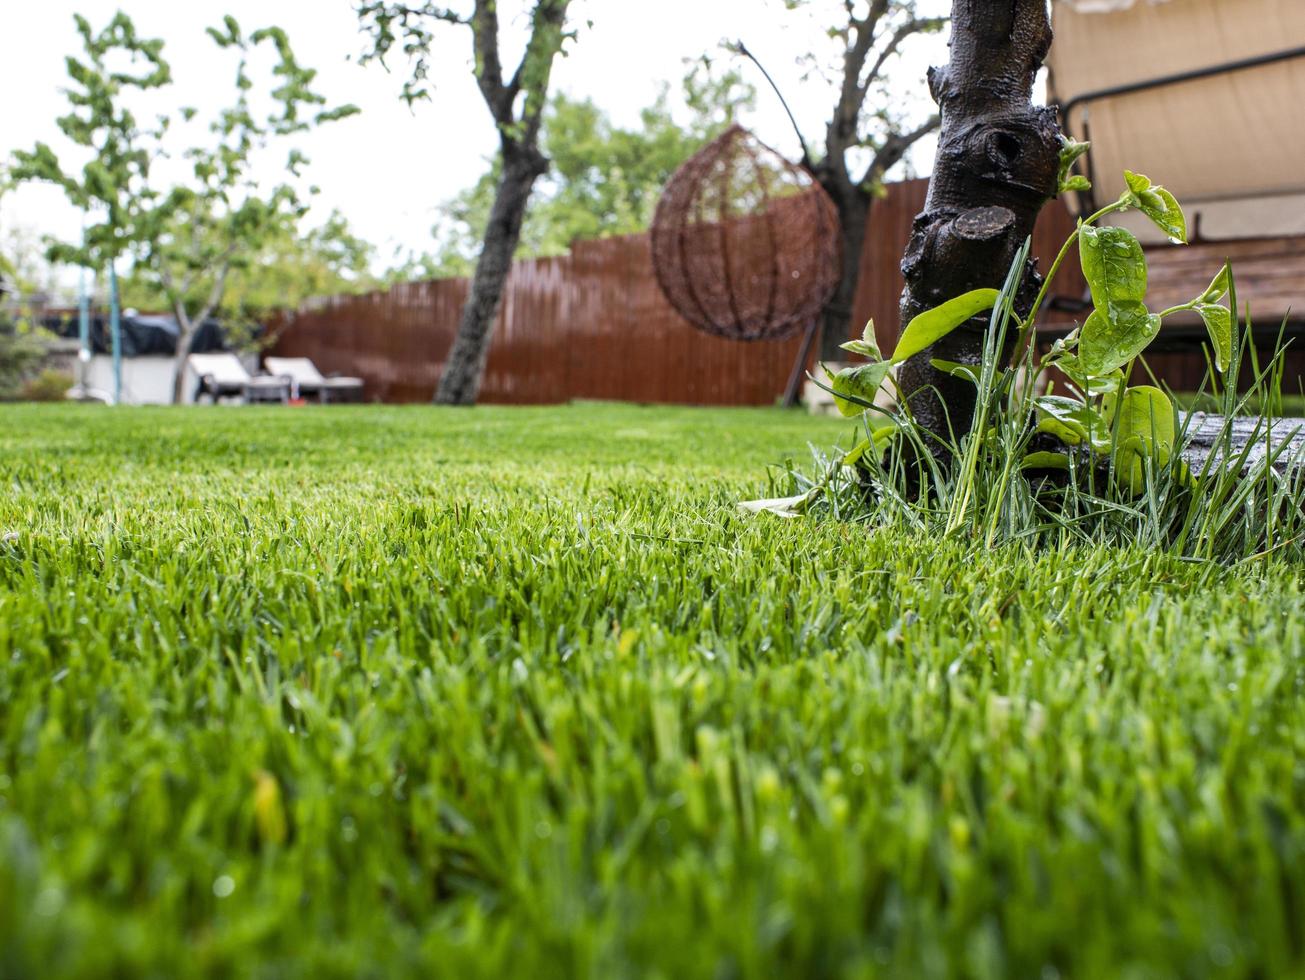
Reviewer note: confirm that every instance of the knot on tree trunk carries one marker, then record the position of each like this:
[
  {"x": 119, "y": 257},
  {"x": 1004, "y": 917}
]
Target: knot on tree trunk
[{"x": 997, "y": 165}]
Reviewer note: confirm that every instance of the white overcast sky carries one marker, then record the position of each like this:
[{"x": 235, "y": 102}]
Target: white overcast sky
[{"x": 389, "y": 168}]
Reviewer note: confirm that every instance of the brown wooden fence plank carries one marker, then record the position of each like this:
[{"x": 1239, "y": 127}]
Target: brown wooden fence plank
[{"x": 594, "y": 324}]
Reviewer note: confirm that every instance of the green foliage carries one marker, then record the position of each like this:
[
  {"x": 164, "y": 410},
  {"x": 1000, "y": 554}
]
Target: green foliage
[
  {"x": 48, "y": 386},
  {"x": 184, "y": 240},
  {"x": 604, "y": 180},
  {"x": 387, "y": 691},
  {"x": 287, "y": 270},
  {"x": 1100, "y": 460},
  {"x": 1145, "y": 429},
  {"x": 21, "y": 353},
  {"x": 932, "y": 325},
  {"x": 1071, "y": 151},
  {"x": 854, "y": 388},
  {"x": 1157, "y": 204}
]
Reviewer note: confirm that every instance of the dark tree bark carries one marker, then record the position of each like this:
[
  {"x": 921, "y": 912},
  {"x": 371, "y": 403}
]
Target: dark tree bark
[
  {"x": 872, "y": 37},
  {"x": 465, "y": 365},
  {"x": 997, "y": 165},
  {"x": 836, "y": 319},
  {"x": 517, "y": 107}
]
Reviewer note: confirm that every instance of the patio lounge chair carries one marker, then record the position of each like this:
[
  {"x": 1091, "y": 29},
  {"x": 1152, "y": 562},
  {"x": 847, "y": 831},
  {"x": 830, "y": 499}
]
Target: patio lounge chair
[
  {"x": 307, "y": 380},
  {"x": 223, "y": 376}
]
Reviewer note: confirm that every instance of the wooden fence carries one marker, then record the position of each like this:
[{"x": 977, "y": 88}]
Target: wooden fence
[{"x": 594, "y": 324}]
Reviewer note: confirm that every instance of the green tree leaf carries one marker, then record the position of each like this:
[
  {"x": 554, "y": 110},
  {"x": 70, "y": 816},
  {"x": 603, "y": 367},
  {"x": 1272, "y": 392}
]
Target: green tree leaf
[
  {"x": 933, "y": 325},
  {"x": 1070, "y": 152},
  {"x": 855, "y": 387},
  {"x": 1114, "y": 336},
  {"x": 1145, "y": 429},
  {"x": 1218, "y": 322},
  {"x": 1113, "y": 264},
  {"x": 1121, "y": 326},
  {"x": 1045, "y": 461},
  {"x": 1071, "y": 421},
  {"x": 867, "y": 346},
  {"x": 879, "y": 441},
  {"x": 1159, "y": 205},
  {"x": 1219, "y": 287},
  {"x": 966, "y": 372}
]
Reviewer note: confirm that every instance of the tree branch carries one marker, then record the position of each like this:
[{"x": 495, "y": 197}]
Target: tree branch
[
  {"x": 894, "y": 149},
  {"x": 489, "y": 68},
  {"x": 547, "y": 35},
  {"x": 916, "y": 25}
]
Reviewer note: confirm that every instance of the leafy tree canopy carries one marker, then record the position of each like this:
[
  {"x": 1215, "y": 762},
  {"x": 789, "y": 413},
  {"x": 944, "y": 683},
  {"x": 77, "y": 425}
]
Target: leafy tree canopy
[{"x": 605, "y": 179}]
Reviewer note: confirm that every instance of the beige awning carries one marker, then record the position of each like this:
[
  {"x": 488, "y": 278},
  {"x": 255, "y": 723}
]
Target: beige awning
[{"x": 1234, "y": 136}]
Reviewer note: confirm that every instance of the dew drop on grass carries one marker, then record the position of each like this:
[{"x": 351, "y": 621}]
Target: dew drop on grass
[{"x": 223, "y": 886}]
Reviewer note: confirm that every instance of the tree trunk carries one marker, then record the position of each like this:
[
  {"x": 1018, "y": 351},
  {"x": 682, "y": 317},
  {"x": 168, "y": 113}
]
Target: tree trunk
[
  {"x": 997, "y": 165},
  {"x": 185, "y": 338},
  {"x": 465, "y": 366},
  {"x": 836, "y": 321}
]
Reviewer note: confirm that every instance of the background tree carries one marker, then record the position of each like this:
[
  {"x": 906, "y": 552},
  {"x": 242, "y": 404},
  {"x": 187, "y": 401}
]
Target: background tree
[
  {"x": 605, "y": 179},
  {"x": 869, "y": 131},
  {"x": 185, "y": 237},
  {"x": 516, "y": 103},
  {"x": 290, "y": 268}
]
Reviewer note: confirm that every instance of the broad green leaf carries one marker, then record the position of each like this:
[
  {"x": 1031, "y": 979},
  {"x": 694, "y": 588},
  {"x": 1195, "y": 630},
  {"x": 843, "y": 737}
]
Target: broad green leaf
[
  {"x": 1045, "y": 461},
  {"x": 1115, "y": 335},
  {"x": 1167, "y": 214},
  {"x": 1218, "y": 321},
  {"x": 1158, "y": 205},
  {"x": 855, "y": 387},
  {"x": 966, "y": 372},
  {"x": 1113, "y": 265},
  {"x": 1137, "y": 183},
  {"x": 1070, "y": 420},
  {"x": 933, "y": 325},
  {"x": 1068, "y": 434},
  {"x": 858, "y": 452},
  {"x": 867, "y": 346},
  {"x": 1092, "y": 385},
  {"x": 1070, "y": 151},
  {"x": 1145, "y": 429},
  {"x": 879, "y": 441}
]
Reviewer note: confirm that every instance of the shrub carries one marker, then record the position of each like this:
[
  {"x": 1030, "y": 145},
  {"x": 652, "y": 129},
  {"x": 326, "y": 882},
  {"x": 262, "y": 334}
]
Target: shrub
[
  {"x": 20, "y": 355},
  {"x": 48, "y": 386},
  {"x": 1098, "y": 462}
]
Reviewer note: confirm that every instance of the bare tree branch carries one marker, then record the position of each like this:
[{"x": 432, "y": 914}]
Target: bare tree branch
[
  {"x": 906, "y": 30},
  {"x": 894, "y": 149}
]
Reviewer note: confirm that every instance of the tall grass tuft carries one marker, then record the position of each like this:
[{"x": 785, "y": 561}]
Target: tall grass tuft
[{"x": 1232, "y": 491}]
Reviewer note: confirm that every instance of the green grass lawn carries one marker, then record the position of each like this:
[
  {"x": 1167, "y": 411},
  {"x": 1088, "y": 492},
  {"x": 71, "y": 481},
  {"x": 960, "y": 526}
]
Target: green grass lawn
[{"x": 375, "y": 692}]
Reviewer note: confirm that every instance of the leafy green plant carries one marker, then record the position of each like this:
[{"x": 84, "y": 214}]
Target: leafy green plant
[
  {"x": 187, "y": 238},
  {"x": 1099, "y": 451},
  {"x": 48, "y": 386},
  {"x": 21, "y": 352}
]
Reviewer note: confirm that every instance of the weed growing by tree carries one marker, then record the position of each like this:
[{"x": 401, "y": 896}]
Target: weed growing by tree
[{"x": 1099, "y": 458}]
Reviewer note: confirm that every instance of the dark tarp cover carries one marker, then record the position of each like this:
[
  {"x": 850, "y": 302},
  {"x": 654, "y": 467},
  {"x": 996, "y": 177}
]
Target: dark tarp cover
[{"x": 141, "y": 335}]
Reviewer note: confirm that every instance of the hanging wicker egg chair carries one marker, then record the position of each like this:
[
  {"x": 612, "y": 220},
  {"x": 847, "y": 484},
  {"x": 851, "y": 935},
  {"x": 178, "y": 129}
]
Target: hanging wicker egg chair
[{"x": 745, "y": 245}]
